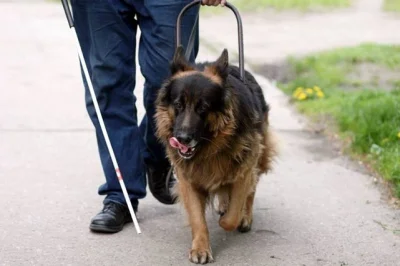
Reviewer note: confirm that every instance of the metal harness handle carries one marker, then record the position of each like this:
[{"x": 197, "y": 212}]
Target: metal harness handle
[{"x": 240, "y": 32}]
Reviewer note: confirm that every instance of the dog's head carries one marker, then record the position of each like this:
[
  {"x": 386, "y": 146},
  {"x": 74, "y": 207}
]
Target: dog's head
[{"x": 193, "y": 104}]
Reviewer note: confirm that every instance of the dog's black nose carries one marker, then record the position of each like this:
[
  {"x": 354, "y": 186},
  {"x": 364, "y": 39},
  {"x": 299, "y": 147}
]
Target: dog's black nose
[{"x": 184, "y": 138}]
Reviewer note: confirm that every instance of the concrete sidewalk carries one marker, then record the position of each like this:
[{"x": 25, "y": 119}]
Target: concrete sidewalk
[{"x": 316, "y": 208}]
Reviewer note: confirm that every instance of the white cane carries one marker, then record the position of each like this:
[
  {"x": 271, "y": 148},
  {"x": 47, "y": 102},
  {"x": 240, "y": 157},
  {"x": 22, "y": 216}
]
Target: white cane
[{"x": 98, "y": 112}]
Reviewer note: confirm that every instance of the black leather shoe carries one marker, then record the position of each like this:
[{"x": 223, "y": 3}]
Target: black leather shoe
[
  {"x": 112, "y": 218},
  {"x": 160, "y": 181}
]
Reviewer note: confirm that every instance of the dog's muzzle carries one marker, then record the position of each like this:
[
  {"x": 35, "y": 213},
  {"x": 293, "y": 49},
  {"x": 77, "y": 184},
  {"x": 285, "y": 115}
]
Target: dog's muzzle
[{"x": 185, "y": 151}]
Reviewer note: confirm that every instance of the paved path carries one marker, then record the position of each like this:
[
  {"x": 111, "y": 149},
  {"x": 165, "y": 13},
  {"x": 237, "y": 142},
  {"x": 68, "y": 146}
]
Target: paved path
[{"x": 317, "y": 208}]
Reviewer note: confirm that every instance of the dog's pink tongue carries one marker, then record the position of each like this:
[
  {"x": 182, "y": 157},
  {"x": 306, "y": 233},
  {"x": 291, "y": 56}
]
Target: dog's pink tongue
[{"x": 177, "y": 145}]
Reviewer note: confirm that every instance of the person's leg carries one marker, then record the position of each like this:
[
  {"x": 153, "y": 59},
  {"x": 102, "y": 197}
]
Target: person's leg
[
  {"x": 157, "y": 22},
  {"x": 107, "y": 33}
]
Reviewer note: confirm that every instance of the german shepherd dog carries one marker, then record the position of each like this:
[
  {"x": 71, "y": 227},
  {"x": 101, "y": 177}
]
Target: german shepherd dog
[{"x": 215, "y": 130}]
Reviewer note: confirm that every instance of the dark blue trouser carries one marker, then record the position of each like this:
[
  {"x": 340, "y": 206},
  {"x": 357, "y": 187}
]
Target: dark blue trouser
[{"x": 107, "y": 33}]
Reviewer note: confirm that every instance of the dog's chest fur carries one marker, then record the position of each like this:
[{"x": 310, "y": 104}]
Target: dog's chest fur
[{"x": 213, "y": 172}]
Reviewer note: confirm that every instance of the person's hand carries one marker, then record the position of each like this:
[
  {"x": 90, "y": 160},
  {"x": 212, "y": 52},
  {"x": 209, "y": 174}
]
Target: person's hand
[{"x": 213, "y": 2}]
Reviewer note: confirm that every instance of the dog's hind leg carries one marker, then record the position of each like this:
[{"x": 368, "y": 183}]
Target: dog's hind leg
[
  {"x": 247, "y": 220},
  {"x": 195, "y": 203},
  {"x": 223, "y": 200}
]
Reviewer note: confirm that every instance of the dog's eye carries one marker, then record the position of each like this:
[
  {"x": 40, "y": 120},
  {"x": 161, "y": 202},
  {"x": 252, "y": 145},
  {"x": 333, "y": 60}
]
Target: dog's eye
[
  {"x": 178, "y": 106},
  {"x": 202, "y": 108}
]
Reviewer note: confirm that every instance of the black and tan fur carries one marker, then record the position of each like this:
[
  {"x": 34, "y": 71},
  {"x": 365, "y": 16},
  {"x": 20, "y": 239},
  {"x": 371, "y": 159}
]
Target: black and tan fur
[{"x": 234, "y": 143}]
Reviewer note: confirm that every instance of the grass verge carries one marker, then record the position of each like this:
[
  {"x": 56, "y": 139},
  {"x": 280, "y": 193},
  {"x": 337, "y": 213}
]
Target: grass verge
[
  {"x": 339, "y": 84},
  {"x": 392, "y": 5}
]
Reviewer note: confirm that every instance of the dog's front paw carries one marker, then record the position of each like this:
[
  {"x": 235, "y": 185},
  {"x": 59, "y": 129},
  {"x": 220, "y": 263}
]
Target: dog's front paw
[
  {"x": 229, "y": 223},
  {"x": 201, "y": 256}
]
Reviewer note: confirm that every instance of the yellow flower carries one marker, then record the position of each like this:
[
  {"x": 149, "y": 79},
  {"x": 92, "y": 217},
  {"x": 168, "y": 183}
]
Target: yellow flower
[
  {"x": 297, "y": 92},
  {"x": 309, "y": 91},
  {"x": 299, "y": 89},
  {"x": 302, "y": 96},
  {"x": 316, "y": 88},
  {"x": 398, "y": 135},
  {"x": 320, "y": 94}
]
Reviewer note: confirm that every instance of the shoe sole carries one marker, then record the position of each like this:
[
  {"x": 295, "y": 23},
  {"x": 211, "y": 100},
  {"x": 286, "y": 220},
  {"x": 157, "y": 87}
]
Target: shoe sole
[{"x": 107, "y": 229}]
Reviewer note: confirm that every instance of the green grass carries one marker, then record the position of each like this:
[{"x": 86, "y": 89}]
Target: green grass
[
  {"x": 367, "y": 116},
  {"x": 392, "y": 5}
]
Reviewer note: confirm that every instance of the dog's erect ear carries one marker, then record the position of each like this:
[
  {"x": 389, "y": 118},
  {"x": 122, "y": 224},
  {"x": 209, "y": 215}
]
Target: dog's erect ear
[
  {"x": 179, "y": 62},
  {"x": 220, "y": 67}
]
